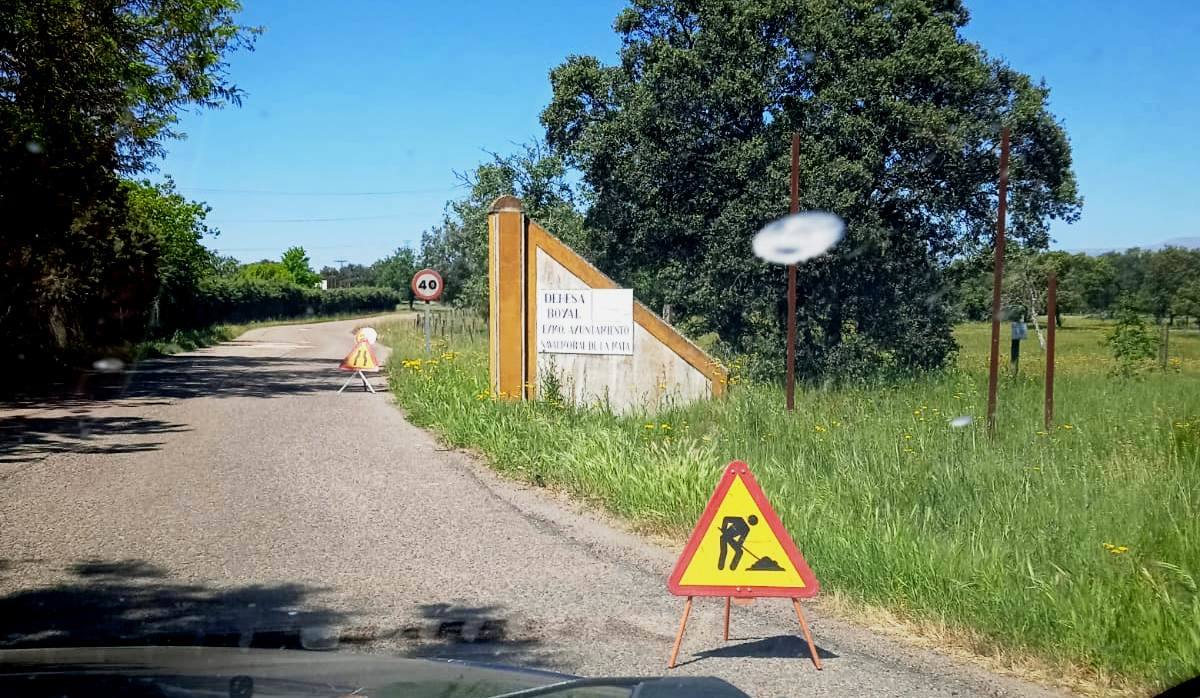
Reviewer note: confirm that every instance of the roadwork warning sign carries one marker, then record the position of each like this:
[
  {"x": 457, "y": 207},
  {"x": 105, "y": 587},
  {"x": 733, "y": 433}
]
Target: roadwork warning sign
[
  {"x": 740, "y": 548},
  {"x": 360, "y": 358}
]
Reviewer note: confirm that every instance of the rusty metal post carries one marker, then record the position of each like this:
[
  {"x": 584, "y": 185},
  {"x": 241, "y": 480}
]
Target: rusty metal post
[
  {"x": 791, "y": 292},
  {"x": 997, "y": 275},
  {"x": 1051, "y": 325},
  {"x": 687, "y": 609}
]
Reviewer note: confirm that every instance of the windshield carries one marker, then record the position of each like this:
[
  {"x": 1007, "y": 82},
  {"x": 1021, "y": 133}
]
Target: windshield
[{"x": 808, "y": 345}]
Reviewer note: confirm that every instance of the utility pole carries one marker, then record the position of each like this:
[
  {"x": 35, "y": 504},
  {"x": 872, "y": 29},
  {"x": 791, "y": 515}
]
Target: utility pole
[
  {"x": 341, "y": 263},
  {"x": 791, "y": 292},
  {"x": 997, "y": 276}
]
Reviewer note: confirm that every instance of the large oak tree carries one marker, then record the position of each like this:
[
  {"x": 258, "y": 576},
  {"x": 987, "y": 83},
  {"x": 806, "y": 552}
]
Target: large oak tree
[{"x": 685, "y": 144}]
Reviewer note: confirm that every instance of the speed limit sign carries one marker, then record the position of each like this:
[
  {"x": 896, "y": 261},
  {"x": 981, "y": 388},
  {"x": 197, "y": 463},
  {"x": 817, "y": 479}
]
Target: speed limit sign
[{"x": 427, "y": 285}]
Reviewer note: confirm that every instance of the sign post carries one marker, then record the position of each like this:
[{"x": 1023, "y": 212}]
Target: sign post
[
  {"x": 427, "y": 285},
  {"x": 740, "y": 550},
  {"x": 1051, "y": 325},
  {"x": 1019, "y": 333}
]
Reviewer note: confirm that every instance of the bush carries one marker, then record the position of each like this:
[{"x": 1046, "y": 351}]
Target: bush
[
  {"x": 1130, "y": 341},
  {"x": 244, "y": 300}
]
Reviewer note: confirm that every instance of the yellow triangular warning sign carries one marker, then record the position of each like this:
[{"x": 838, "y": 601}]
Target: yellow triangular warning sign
[
  {"x": 360, "y": 358},
  {"x": 740, "y": 547}
]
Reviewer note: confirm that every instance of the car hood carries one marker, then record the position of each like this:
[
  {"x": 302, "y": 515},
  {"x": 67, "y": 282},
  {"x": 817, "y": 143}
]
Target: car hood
[{"x": 243, "y": 673}]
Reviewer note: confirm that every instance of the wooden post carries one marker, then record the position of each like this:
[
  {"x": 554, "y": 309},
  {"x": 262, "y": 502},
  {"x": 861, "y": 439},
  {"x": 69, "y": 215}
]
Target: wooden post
[
  {"x": 791, "y": 290},
  {"x": 687, "y": 608},
  {"x": 812, "y": 646},
  {"x": 1166, "y": 343},
  {"x": 997, "y": 277},
  {"x": 728, "y": 603},
  {"x": 1051, "y": 325}
]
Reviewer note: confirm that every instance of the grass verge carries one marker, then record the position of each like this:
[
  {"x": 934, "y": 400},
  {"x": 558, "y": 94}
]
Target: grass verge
[{"x": 1074, "y": 546}]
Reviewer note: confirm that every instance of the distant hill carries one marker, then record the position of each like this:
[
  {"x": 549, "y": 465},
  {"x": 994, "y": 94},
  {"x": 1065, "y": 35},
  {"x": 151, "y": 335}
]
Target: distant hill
[
  {"x": 1191, "y": 242},
  {"x": 1188, "y": 242}
]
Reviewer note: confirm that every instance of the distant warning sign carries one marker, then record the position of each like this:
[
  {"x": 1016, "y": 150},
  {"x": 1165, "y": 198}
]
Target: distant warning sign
[
  {"x": 740, "y": 547},
  {"x": 360, "y": 358}
]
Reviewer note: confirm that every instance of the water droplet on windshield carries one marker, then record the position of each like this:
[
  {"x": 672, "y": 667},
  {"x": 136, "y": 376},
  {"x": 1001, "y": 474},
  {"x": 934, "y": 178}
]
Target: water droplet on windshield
[
  {"x": 34, "y": 147},
  {"x": 800, "y": 236},
  {"x": 963, "y": 421},
  {"x": 109, "y": 364}
]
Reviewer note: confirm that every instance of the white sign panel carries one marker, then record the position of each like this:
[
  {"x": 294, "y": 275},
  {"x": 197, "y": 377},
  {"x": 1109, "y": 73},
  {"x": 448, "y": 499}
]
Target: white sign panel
[{"x": 585, "y": 321}]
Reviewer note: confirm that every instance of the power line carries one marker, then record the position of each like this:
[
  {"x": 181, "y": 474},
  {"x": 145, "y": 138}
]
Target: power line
[
  {"x": 310, "y": 220},
  {"x": 275, "y": 192},
  {"x": 273, "y": 248}
]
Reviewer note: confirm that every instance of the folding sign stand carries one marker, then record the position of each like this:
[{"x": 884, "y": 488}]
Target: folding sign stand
[
  {"x": 687, "y": 609},
  {"x": 357, "y": 374},
  {"x": 360, "y": 359},
  {"x": 737, "y": 522}
]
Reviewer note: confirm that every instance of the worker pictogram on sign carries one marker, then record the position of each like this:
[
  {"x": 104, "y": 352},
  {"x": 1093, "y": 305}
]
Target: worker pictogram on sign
[
  {"x": 360, "y": 359},
  {"x": 740, "y": 549}
]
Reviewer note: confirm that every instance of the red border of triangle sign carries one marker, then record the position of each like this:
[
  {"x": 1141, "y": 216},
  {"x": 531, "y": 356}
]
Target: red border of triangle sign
[{"x": 738, "y": 469}]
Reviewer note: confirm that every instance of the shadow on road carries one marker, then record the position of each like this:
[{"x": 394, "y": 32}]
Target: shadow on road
[
  {"x": 776, "y": 646},
  {"x": 452, "y": 631},
  {"x": 136, "y": 603},
  {"x": 184, "y": 377},
  {"x": 23, "y": 436},
  {"x": 132, "y": 602}
]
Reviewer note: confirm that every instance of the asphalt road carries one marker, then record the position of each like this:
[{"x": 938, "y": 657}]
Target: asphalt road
[{"x": 232, "y": 496}]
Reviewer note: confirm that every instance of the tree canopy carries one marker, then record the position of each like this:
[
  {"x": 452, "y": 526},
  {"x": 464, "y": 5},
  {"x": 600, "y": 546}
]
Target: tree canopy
[
  {"x": 89, "y": 91},
  {"x": 684, "y": 143},
  {"x": 296, "y": 261}
]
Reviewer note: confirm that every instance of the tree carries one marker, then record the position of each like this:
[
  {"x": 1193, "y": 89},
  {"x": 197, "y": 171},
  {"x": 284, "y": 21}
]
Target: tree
[
  {"x": 458, "y": 247},
  {"x": 1090, "y": 282},
  {"x": 89, "y": 90},
  {"x": 1187, "y": 301},
  {"x": 1131, "y": 268},
  {"x": 1169, "y": 271},
  {"x": 349, "y": 275},
  {"x": 177, "y": 227},
  {"x": 685, "y": 145},
  {"x": 396, "y": 270},
  {"x": 224, "y": 266},
  {"x": 266, "y": 270},
  {"x": 295, "y": 260}
]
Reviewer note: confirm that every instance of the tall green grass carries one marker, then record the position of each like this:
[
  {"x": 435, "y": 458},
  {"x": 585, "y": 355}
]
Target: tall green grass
[{"x": 1079, "y": 544}]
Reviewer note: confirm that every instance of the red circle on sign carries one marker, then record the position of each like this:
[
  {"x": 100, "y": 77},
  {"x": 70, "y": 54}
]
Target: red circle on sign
[{"x": 427, "y": 285}]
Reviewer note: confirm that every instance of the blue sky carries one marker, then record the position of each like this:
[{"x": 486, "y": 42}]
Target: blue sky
[{"x": 366, "y": 96}]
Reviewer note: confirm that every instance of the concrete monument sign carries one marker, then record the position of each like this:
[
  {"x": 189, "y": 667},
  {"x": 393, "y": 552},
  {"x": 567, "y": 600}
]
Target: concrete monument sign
[{"x": 552, "y": 312}]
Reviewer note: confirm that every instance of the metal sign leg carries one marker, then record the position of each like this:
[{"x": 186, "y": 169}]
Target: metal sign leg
[
  {"x": 687, "y": 609},
  {"x": 812, "y": 646},
  {"x": 360, "y": 376}
]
